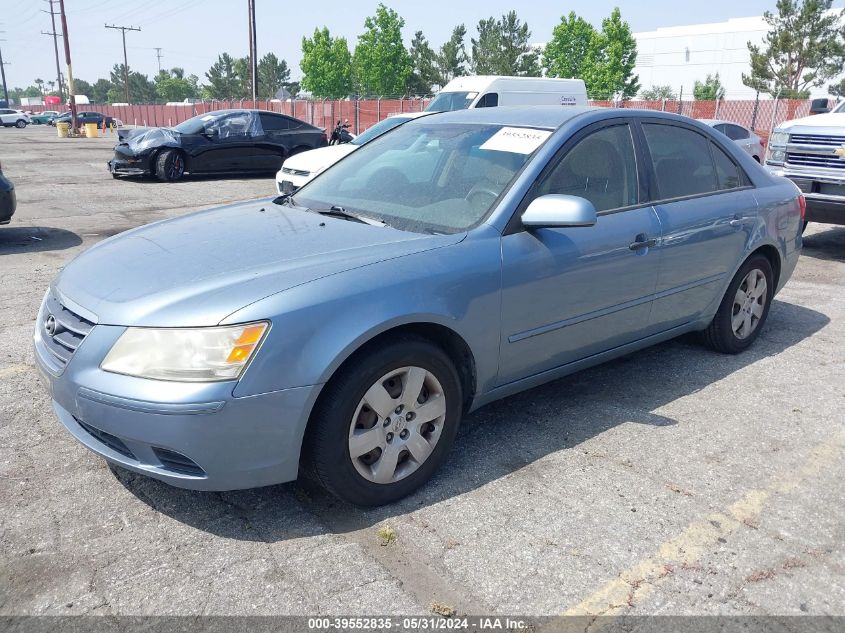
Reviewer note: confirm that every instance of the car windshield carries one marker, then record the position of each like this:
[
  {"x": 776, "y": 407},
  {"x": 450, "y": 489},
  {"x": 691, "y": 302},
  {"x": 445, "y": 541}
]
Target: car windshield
[
  {"x": 196, "y": 124},
  {"x": 840, "y": 107},
  {"x": 378, "y": 129},
  {"x": 426, "y": 176},
  {"x": 449, "y": 101}
]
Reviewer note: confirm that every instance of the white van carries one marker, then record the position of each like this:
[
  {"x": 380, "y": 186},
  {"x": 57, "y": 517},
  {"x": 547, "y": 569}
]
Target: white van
[{"x": 487, "y": 91}]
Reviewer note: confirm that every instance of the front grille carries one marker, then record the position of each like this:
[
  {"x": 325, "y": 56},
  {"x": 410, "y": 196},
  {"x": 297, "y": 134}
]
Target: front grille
[
  {"x": 177, "y": 462},
  {"x": 817, "y": 139},
  {"x": 65, "y": 333},
  {"x": 112, "y": 441},
  {"x": 826, "y": 161},
  {"x": 295, "y": 172}
]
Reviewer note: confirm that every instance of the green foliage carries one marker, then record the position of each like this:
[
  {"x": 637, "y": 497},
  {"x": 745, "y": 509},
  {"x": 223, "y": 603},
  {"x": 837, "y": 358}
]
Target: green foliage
[
  {"x": 273, "y": 74},
  {"x": 615, "y": 56},
  {"x": 223, "y": 81},
  {"x": 656, "y": 93},
  {"x": 571, "y": 48},
  {"x": 326, "y": 65},
  {"x": 172, "y": 85},
  {"x": 99, "y": 92},
  {"x": 381, "y": 65},
  {"x": 141, "y": 89},
  {"x": 452, "y": 59},
  {"x": 708, "y": 90},
  {"x": 804, "y": 48},
  {"x": 503, "y": 48},
  {"x": 424, "y": 72},
  {"x": 837, "y": 90}
]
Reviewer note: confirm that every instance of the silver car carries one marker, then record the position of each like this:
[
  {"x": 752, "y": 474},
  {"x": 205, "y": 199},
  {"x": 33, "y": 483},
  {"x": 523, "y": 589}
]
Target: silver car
[
  {"x": 742, "y": 136},
  {"x": 343, "y": 332}
]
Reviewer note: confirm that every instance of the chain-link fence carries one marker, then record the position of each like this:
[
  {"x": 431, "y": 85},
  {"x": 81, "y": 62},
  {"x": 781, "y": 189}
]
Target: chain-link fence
[{"x": 760, "y": 115}]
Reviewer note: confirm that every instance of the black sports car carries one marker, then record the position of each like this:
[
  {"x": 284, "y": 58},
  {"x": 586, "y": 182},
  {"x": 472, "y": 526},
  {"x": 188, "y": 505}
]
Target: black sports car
[
  {"x": 84, "y": 116},
  {"x": 222, "y": 142}
]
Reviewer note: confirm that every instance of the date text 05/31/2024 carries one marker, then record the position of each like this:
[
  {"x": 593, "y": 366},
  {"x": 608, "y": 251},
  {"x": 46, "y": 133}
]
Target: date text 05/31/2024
[{"x": 432, "y": 623}]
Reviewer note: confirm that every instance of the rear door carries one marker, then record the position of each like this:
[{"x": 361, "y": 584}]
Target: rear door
[{"x": 706, "y": 208}]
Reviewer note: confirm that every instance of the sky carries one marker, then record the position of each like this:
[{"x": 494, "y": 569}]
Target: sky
[{"x": 191, "y": 33}]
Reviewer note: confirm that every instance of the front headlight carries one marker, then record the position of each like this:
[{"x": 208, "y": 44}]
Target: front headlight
[
  {"x": 185, "y": 354},
  {"x": 779, "y": 138}
]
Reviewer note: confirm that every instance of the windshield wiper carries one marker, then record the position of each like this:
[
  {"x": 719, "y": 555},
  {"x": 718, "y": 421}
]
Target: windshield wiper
[{"x": 337, "y": 211}]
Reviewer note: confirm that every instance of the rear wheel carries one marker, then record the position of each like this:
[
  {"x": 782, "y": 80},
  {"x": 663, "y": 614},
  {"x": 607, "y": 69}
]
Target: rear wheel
[
  {"x": 170, "y": 165},
  {"x": 744, "y": 308},
  {"x": 385, "y": 423},
  {"x": 20, "y": 123}
]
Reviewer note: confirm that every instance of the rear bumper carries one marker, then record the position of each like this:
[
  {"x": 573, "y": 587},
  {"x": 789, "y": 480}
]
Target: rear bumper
[
  {"x": 825, "y": 193},
  {"x": 8, "y": 204}
]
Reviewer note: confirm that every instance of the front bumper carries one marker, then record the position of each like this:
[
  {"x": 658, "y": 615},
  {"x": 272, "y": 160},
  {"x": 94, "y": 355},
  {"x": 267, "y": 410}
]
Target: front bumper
[
  {"x": 8, "y": 203},
  {"x": 190, "y": 435},
  {"x": 290, "y": 182},
  {"x": 130, "y": 167}
]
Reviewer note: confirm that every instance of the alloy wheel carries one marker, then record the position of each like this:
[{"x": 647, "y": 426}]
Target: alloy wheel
[
  {"x": 749, "y": 304},
  {"x": 397, "y": 424}
]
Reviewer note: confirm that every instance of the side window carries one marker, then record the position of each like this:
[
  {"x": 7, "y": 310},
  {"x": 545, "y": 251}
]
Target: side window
[
  {"x": 490, "y": 100},
  {"x": 272, "y": 123},
  {"x": 681, "y": 159},
  {"x": 736, "y": 132},
  {"x": 601, "y": 167},
  {"x": 720, "y": 128},
  {"x": 727, "y": 172}
]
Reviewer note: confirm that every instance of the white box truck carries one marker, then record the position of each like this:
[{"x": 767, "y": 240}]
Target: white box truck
[{"x": 486, "y": 91}]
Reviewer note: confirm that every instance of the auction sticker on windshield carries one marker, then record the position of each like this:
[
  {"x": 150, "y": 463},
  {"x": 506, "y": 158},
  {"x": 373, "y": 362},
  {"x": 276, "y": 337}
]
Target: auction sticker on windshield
[{"x": 518, "y": 140}]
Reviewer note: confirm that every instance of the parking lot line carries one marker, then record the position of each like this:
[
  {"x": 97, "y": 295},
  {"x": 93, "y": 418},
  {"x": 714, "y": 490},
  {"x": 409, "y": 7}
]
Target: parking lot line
[{"x": 634, "y": 585}]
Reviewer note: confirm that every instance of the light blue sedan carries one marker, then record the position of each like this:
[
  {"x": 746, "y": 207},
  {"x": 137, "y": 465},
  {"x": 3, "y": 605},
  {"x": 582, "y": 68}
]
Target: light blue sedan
[{"x": 458, "y": 259}]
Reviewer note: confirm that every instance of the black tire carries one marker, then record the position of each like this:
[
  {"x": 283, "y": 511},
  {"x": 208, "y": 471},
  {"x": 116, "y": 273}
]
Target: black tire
[
  {"x": 170, "y": 165},
  {"x": 326, "y": 456},
  {"x": 804, "y": 226},
  {"x": 20, "y": 124},
  {"x": 720, "y": 334}
]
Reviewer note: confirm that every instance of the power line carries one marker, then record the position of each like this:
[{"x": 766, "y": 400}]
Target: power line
[{"x": 123, "y": 30}]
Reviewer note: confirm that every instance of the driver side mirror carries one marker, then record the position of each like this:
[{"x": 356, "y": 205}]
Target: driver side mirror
[
  {"x": 559, "y": 211},
  {"x": 211, "y": 132}
]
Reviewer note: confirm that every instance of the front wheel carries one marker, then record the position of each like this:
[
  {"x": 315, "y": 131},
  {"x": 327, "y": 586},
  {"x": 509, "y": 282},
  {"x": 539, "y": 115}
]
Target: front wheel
[
  {"x": 169, "y": 165},
  {"x": 385, "y": 423},
  {"x": 744, "y": 308}
]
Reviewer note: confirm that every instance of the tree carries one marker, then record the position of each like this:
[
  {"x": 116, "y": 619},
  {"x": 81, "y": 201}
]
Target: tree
[
  {"x": 571, "y": 48},
  {"x": 656, "y": 93},
  {"x": 326, "y": 65},
  {"x": 615, "y": 56},
  {"x": 223, "y": 83},
  {"x": 82, "y": 87},
  {"x": 804, "y": 48},
  {"x": 837, "y": 90},
  {"x": 709, "y": 90},
  {"x": 273, "y": 74},
  {"x": 172, "y": 85},
  {"x": 452, "y": 60},
  {"x": 381, "y": 65},
  {"x": 99, "y": 91},
  {"x": 503, "y": 48},
  {"x": 424, "y": 73},
  {"x": 141, "y": 89}
]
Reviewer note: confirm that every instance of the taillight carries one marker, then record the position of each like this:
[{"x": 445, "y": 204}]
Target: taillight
[{"x": 802, "y": 204}]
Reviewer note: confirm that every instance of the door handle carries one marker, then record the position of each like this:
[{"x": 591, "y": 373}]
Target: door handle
[
  {"x": 737, "y": 222},
  {"x": 642, "y": 242}
]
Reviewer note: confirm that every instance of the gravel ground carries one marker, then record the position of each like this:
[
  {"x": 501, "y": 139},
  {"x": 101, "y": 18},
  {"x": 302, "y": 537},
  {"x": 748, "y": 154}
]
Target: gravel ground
[{"x": 675, "y": 481}]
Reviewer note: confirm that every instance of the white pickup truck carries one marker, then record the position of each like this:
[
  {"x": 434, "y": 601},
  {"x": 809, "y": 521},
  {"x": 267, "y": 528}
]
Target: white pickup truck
[{"x": 811, "y": 153}]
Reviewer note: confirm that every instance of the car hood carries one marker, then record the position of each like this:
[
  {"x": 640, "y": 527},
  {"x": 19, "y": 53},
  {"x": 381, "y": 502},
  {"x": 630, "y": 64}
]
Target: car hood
[
  {"x": 831, "y": 120},
  {"x": 148, "y": 138},
  {"x": 197, "y": 269},
  {"x": 316, "y": 160},
  {"x": 124, "y": 134}
]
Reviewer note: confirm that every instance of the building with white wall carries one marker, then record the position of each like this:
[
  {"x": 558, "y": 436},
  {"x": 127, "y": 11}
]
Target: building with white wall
[{"x": 678, "y": 56}]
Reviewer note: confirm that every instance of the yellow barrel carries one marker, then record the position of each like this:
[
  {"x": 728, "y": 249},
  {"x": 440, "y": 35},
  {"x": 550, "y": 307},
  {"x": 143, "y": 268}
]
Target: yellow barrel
[
  {"x": 91, "y": 130},
  {"x": 62, "y": 129}
]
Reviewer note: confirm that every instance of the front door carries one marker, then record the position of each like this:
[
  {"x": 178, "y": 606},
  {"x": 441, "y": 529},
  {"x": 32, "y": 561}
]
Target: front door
[{"x": 569, "y": 293}]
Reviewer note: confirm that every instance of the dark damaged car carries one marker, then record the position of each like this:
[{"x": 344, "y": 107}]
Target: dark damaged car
[{"x": 222, "y": 142}]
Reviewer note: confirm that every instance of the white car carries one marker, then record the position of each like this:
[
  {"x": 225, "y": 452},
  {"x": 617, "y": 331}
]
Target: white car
[
  {"x": 299, "y": 169},
  {"x": 742, "y": 136},
  {"x": 15, "y": 118}
]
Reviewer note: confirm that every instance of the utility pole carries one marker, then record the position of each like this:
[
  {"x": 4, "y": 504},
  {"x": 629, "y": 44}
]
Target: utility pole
[
  {"x": 55, "y": 47},
  {"x": 253, "y": 52},
  {"x": 3, "y": 75},
  {"x": 158, "y": 56},
  {"x": 70, "y": 91},
  {"x": 123, "y": 30}
]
